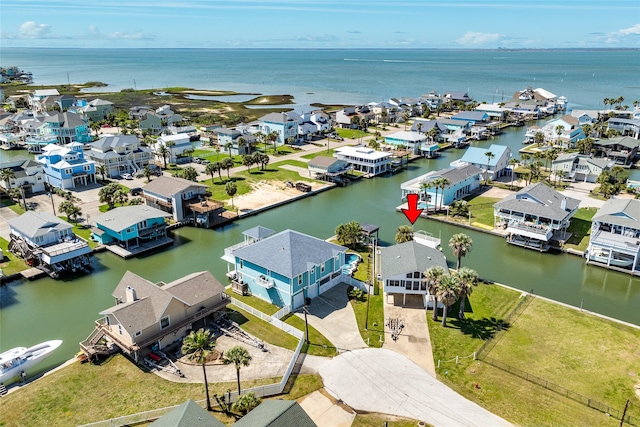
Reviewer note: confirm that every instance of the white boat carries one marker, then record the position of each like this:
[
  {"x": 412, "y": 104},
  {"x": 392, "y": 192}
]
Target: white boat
[
  {"x": 617, "y": 260},
  {"x": 20, "y": 359}
]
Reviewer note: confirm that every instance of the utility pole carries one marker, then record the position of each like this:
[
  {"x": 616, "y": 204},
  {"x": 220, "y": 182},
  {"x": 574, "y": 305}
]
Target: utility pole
[{"x": 306, "y": 324}]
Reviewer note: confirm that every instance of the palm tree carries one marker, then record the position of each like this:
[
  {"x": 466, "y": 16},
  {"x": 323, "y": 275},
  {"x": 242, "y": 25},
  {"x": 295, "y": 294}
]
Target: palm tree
[
  {"x": 146, "y": 172},
  {"x": 70, "y": 209},
  {"x": 211, "y": 169},
  {"x": 227, "y": 164},
  {"x": 433, "y": 133},
  {"x": 538, "y": 138},
  {"x": 349, "y": 234},
  {"x": 587, "y": 129},
  {"x": 436, "y": 184},
  {"x": 7, "y": 175},
  {"x": 490, "y": 156},
  {"x": 404, "y": 233},
  {"x": 190, "y": 173},
  {"x": 273, "y": 137},
  {"x": 448, "y": 293},
  {"x": 102, "y": 170},
  {"x": 513, "y": 162},
  {"x": 231, "y": 189},
  {"x": 559, "y": 129},
  {"x": 164, "y": 151},
  {"x": 525, "y": 158},
  {"x": 241, "y": 143},
  {"x": 467, "y": 278},
  {"x": 197, "y": 346},
  {"x": 240, "y": 357},
  {"x": 425, "y": 187},
  {"x": 460, "y": 244},
  {"x": 228, "y": 146},
  {"x": 247, "y": 161},
  {"x": 444, "y": 183},
  {"x": 432, "y": 278},
  {"x": 245, "y": 403},
  {"x": 615, "y": 171},
  {"x": 419, "y": 127}
]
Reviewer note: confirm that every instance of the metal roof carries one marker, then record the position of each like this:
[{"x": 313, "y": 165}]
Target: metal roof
[
  {"x": 33, "y": 224},
  {"x": 624, "y": 212}
]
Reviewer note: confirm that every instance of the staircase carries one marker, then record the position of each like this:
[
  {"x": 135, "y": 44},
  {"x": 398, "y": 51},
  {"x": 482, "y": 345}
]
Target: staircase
[{"x": 3, "y": 390}]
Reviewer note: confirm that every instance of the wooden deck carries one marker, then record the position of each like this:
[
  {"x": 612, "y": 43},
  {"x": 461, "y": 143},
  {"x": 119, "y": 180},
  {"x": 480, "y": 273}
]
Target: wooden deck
[
  {"x": 142, "y": 248},
  {"x": 32, "y": 273}
]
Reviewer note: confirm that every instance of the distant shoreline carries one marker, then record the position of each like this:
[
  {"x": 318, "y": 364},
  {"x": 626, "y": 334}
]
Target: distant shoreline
[{"x": 380, "y": 49}]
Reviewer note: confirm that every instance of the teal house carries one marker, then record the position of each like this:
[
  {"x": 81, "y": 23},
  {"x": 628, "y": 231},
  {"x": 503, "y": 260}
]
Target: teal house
[{"x": 129, "y": 226}]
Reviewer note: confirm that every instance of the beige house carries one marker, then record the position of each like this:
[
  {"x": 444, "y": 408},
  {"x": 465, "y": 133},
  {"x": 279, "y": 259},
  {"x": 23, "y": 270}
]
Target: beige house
[{"x": 154, "y": 315}]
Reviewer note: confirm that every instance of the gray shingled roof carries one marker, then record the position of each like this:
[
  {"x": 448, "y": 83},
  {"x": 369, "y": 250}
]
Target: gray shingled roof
[
  {"x": 123, "y": 217},
  {"x": 188, "y": 414},
  {"x": 112, "y": 141},
  {"x": 258, "y": 232},
  {"x": 322, "y": 161},
  {"x": 276, "y": 118},
  {"x": 33, "y": 224},
  {"x": 276, "y": 413},
  {"x": 195, "y": 287},
  {"x": 167, "y": 186},
  {"x": 540, "y": 200},
  {"x": 456, "y": 175},
  {"x": 624, "y": 212},
  {"x": 289, "y": 253},
  {"x": 408, "y": 257}
]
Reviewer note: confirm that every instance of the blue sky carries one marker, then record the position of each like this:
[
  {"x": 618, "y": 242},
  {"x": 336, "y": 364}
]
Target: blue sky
[{"x": 320, "y": 24}]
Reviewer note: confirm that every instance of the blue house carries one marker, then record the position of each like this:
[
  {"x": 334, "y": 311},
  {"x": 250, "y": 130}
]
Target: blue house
[
  {"x": 284, "y": 268},
  {"x": 130, "y": 225},
  {"x": 412, "y": 141},
  {"x": 281, "y": 123},
  {"x": 494, "y": 167},
  {"x": 66, "y": 166},
  {"x": 463, "y": 180},
  {"x": 474, "y": 117},
  {"x": 67, "y": 127}
]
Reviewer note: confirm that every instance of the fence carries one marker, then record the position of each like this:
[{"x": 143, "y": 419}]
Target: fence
[{"x": 262, "y": 391}]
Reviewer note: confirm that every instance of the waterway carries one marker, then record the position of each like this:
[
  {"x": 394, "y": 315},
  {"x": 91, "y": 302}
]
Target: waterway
[{"x": 32, "y": 312}]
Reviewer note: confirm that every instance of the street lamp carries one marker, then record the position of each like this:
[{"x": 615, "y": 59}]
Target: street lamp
[
  {"x": 53, "y": 205},
  {"x": 306, "y": 324}
]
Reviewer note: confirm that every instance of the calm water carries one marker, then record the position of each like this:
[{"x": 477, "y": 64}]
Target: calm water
[{"x": 31, "y": 312}]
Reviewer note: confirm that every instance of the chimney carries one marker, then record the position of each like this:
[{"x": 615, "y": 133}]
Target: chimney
[
  {"x": 563, "y": 204},
  {"x": 130, "y": 294}
]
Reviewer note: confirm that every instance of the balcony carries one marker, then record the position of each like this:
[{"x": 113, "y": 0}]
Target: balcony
[
  {"x": 265, "y": 282},
  {"x": 540, "y": 232},
  {"x": 619, "y": 242}
]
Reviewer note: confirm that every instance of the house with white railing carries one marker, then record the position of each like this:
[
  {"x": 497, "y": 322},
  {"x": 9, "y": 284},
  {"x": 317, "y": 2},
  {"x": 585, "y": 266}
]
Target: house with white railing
[
  {"x": 120, "y": 154},
  {"x": 535, "y": 216},
  {"x": 284, "y": 268},
  {"x": 615, "y": 235},
  {"x": 365, "y": 159}
]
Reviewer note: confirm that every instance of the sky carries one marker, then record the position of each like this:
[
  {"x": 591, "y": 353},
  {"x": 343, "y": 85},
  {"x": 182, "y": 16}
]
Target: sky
[{"x": 452, "y": 24}]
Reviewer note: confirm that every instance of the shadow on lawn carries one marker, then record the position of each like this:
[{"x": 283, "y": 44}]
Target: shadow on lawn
[{"x": 484, "y": 328}]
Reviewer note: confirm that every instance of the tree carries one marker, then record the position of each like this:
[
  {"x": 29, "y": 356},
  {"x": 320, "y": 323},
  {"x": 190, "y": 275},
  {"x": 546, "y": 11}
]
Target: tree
[
  {"x": 239, "y": 356},
  {"x": 467, "y": 278},
  {"x": 448, "y": 293},
  {"x": 490, "y": 156},
  {"x": 460, "y": 244},
  {"x": 263, "y": 160},
  {"x": 435, "y": 184},
  {"x": 212, "y": 168},
  {"x": 164, "y": 151},
  {"x": 273, "y": 137},
  {"x": 245, "y": 403},
  {"x": 404, "y": 233},
  {"x": 146, "y": 172},
  {"x": 227, "y": 164},
  {"x": 432, "y": 278},
  {"x": 433, "y": 133},
  {"x": 513, "y": 162},
  {"x": 108, "y": 192},
  {"x": 231, "y": 189},
  {"x": 228, "y": 146},
  {"x": 120, "y": 197},
  {"x": 538, "y": 138},
  {"x": 70, "y": 209},
  {"x": 190, "y": 173},
  {"x": 7, "y": 175},
  {"x": 197, "y": 346},
  {"x": 102, "y": 170},
  {"x": 349, "y": 234},
  {"x": 242, "y": 143},
  {"x": 247, "y": 160},
  {"x": 525, "y": 158},
  {"x": 443, "y": 183},
  {"x": 559, "y": 129},
  {"x": 425, "y": 187}
]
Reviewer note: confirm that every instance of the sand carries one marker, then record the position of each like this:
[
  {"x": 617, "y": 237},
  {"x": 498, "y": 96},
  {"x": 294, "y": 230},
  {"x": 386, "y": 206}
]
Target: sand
[{"x": 265, "y": 193}]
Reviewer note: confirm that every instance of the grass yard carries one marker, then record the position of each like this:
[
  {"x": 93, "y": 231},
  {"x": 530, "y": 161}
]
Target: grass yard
[
  {"x": 11, "y": 204},
  {"x": 318, "y": 345},
  {"x": 581, "y": 229},
  {"x": 376, "y": 318},
  {"x": 326, "y": 153},
  {"x": 377, "y": 420},
  {"x": 84, "y": 393},
  {"x": 273, "y": 172},
  {"x": 255, "y": 302},
  {"x": 351, "y": 133},
  {"x": 262, "y": 330},
  {"x": 12, "y": 264},
  {"x": 80, "y": 230}
]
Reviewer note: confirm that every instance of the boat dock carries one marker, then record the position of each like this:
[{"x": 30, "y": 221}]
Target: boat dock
[
  {"x": 32, "y": 273},
  {"x": 139, "y": 249}
]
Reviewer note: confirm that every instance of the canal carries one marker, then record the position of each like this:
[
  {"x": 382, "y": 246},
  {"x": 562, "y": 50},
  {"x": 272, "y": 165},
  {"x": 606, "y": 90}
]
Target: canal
[{"x": 32, "y": 312}]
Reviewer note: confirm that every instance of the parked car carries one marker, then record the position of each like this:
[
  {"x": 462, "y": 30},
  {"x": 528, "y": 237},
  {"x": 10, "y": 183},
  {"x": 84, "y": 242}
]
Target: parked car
[
  {"x": 205, "y": 162},
  {"x": 127, "y": 176},
  {"x": 197, "y": 160},
  {"x": 136, "y": 191}
]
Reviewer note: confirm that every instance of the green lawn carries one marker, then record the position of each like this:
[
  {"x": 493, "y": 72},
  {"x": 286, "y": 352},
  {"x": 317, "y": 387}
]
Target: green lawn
[
  {"x": 12, "y": 263},
  {"x": 262, "y": 330},
  {"x": 581, "y": 229},
  {"x": 378, "y": 420},
  {"x": 84, "y": 393},
  {"x": 273, "y": 173},
  {"x": 318, "y": 345},
  {"x": 326, "y": 153},
  {"x": 482, "y": 209},
  {"x": 11, "y": 204},
  {"x": 255, "y": 302},
  {"x": 375, "y": 331},
  {"x": 351, "y": 133}
]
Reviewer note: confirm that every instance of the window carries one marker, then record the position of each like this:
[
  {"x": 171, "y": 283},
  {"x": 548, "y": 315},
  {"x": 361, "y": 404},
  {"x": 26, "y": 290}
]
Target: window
[
  {"x": 137, "y": 334},
  {"x": 322, "y": 268},
  {"x": 87, "y": 168},
  {"x": 164, "y": 322},
  {"x": 119, "y": 328},
  {"x": 300, "y": 279},
  {"x": 68, "y": 171}
]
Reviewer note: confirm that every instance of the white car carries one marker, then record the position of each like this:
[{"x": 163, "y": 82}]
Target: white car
[{"x": 127, "y": 176}]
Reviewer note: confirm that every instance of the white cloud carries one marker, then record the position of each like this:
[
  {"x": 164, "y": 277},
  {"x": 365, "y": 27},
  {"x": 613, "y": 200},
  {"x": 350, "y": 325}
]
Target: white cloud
[
  {"x": 472, "y": 38},
  {"x": 131, "y": 36},
  {"x": 31, "y": 30},
  {"x": 631, "y": 31}
]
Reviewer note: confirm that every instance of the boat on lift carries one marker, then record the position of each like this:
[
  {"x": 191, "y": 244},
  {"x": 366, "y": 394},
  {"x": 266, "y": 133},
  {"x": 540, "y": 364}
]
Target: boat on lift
[{"x": 20, "y": 359}]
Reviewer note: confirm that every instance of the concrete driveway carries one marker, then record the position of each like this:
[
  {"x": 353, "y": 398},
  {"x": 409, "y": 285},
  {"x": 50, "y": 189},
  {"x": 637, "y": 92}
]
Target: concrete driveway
[
  {"x": 332, "y": 315},
  {"x": 379, "y": 380},
  {"x": 325, "y": 412}
]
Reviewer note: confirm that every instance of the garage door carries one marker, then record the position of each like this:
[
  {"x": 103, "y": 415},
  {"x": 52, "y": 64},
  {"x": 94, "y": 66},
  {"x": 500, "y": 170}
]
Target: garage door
[{"x": 298, "y": 300}]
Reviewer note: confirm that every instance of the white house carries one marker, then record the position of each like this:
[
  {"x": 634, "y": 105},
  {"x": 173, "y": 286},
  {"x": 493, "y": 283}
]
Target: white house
[
  {"x": 365, "y": 159},
  {"x": 119, "y": 154},
  {"x": 494, "y": 166},
  {"x": 28, "y": 175},
  {"x": 177, "y": 145}
]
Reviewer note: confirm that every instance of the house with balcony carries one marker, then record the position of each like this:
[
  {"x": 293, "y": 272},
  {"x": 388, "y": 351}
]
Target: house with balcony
[
  {"x": 364, "y": 159},
  {"x": 402, "y": 269},
  {"x": 577, "y": 167},
  {"x": 119, "y": 154},
  {"x": 185, "y": 200},
  {"x": 283, "y": 124},
  {"x": 424, "y": 126},
  {"x": 565, "y": 131},
  {"x": 536, "y": 216},
  {"x": 149, "y": 315},
  {"x": 67, "y": 127},
  {"x": 95, "y": 110},
  {"x": 66, "y": 167},
  {"x": 240, "y": 142},
  {"x": 457, "y": 97},
  {"x": 432, "y": 100},
  {"x": 415, "y": 142},
  {"x": 28, "y": 175},
  {"x": 622, "y": 150},
  {"x": 48, "y": 243},
  {"x": 615, "y": 235},
  {"x": 176, "y": 144},
  {"x": 475, "y": 117},
  {"x": 463, "y": 180},
  {"x": 38, "y": 98},
  {"x": 626, "y": 127},
  {"x": 319, "y": 118},
  {"x": 494, "y": 111},
  {"x": 148, "y": 120},
  {"x": 327, "y": 168},
  {"x": 493, "y": 166},
  {"x": 285, "y": 268},
  {"x": 131, "y": 226}
]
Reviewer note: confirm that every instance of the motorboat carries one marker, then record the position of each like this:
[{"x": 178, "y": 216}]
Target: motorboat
[
  {"x": 20, "y": 359},
  {"x": 617, "y": 259}
]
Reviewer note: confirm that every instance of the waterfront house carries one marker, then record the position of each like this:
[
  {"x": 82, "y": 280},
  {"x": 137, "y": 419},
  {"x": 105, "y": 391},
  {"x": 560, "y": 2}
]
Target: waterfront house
[
  {"x": 185, "y": 200},
  {"x": 119, "y": 154},
  {"x": 564, "y": 131},
  {"x": 66, "y": 166},
  {"x": 494, "y": 167},
  {"x": 95, "y": 110},
  {"x": 580, "y": 167},
  {"x": 463, "y": 180},
  {"x": 535, "y": 216},
  {"x": 413, "y": 141},
  {"x": 585, "y": 117},
  {"x": 402, "y": 268},
  {"x": 65, "y": 101},
  {"x": 38, "y": 98},
  {"x": 167, "y": 116},
  {"x": 177, "y": 145},
  {"x": 130, "y": 226},
  {"x": 283, "y": 124},
  {"x": 67, "y": 127},
  {"x": 622, "y": 150},
  {"x": 494, "y": 111},
  {"x": 615, "y": 234},
  {"x": 28, "y": 175},
  {"x": 329, "y": 168},
  {"x": 148, "y": 120},
  {"x": 364, "y": 159},
  {"x": 457, "y": 97},
  {"x": 626, "y": 127},
  {"x": 432, "y": 100},
  {"x": 319, "y": 118},
  {"x": 425, "y": 126},
  {"x": 351, "y": 117},
  {"x": 47, "y": 242},
  {"x": 285, "y": 268},
  {"x": 149, "y": 315},
  {"x": 475, "y": 117},
  {"x": 240, "y": 142},
  {"x": 529, "y": 109}
]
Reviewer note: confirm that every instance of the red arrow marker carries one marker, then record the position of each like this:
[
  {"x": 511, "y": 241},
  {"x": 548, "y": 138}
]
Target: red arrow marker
[{"x": 413, "y": 212}]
